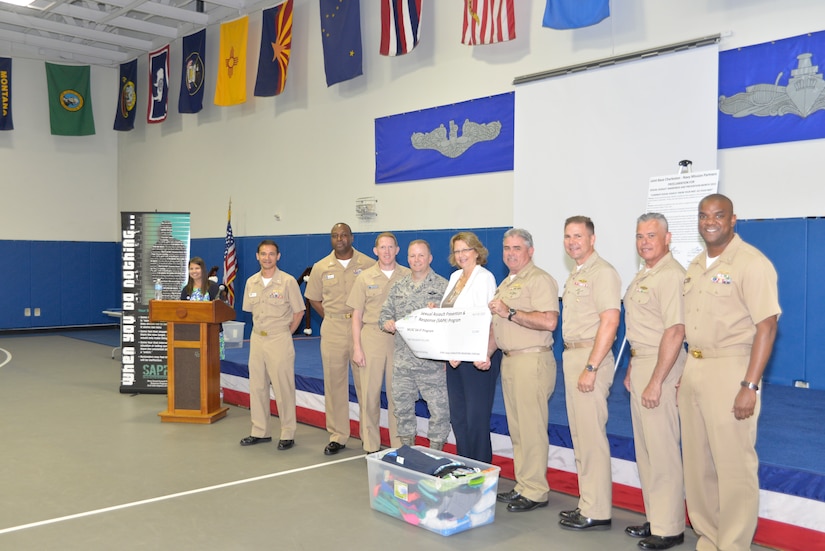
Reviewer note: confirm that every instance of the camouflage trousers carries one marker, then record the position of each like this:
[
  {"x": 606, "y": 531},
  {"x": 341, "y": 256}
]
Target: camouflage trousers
[{"x": 430, "y": 381}]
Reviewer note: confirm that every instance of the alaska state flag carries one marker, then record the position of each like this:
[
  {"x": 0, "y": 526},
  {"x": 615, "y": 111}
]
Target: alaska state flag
[
  {"x": 276, "y": 49},
  {"x": 341, "y": 38},
  {"x": 126, "y": 97},
  {"x": 70, "y": 101},
  {"x": 230, "y": 88},
  {"x": 470, "y": 137},
  {"x": 193, "y": 69},
  {"x": 574, "y": 14},
  {"x": 5, "y": 94},
  {"x": 399, "y": 26},
  {"x": 158, "y": 104}
]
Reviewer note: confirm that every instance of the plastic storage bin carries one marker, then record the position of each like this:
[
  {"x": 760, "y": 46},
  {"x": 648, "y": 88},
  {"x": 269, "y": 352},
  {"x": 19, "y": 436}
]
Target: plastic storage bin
[
  {"x": 440, "y": 505},
  {"x": 233, "y": 334}
]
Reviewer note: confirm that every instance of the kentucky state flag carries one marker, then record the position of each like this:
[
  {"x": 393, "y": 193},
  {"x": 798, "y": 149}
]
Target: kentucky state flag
[
  {"x": 192, "y": 73},
  {"x": 470, "y": 137},
  {"x": 772, "y": 92},
  {"x": 230, "y": 88},
  {"x": 341, "y": 38},
  {"x": 5, "y": 94},
  {"x": 574, "y": 14},
  {"x": 158, "y": 104},
  {"x": 70, "y": 101},
  {"x": 276, "y": 49},
  {"x": 126, "y": 97}
]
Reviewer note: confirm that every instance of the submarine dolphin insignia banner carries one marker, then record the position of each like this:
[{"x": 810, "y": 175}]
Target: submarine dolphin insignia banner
[
  {"x": 470, "y": 137},
  {"x": 155, "y": 247}
]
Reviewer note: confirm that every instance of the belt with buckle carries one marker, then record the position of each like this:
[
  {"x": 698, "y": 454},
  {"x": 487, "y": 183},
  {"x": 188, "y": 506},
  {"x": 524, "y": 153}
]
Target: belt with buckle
[
  {"x": 643, "y": 352},
  {"x": 338, "y": 316},
  {"x": 727, "y": 352},
  {"x": 579, "y": 344},
  {"x": 530, "y": 350},
  {"x": 261, "y": 333}
]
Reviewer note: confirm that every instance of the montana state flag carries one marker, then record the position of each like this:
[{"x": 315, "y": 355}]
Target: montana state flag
[
  {"x": 126, "y": 97},
  {"x": 276, "y": 49},
  {"x": 70, "y": 102},
  {"x": 158, "y": 105},
  {"x": 230, "y": 88},
  {"x": 5, "y": 94},
  {"x": 341, "y": 38},
  {"x": 192, "y": 73}
]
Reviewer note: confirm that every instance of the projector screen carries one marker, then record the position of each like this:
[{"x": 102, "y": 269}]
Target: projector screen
[{"x": 588, "y": 143}]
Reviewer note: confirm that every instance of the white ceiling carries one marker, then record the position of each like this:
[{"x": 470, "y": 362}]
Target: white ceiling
[{"x": 106, "y": 32}]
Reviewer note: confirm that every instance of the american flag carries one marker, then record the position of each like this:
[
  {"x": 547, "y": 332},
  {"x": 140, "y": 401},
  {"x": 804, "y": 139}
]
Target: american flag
[
  {"x": 230, "y": 261},
  {"x": 488, "y": 21}
]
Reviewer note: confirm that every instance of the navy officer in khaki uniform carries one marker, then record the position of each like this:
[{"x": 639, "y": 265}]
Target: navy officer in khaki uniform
[
  {"x": 328, "y": 288},
  {"x": 591, "y": 307},
  {"x": 731, "y": 314},
  {"x": 655, "y": 322},
  {"x": 277, "y": 309}
]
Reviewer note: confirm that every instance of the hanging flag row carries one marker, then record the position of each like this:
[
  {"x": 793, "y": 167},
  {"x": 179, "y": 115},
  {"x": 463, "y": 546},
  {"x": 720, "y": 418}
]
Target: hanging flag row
[{"x": 70, "y": 102}]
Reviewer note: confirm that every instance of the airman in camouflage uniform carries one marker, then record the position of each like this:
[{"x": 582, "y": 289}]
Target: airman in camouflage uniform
[{"x": 419, "y": 289}]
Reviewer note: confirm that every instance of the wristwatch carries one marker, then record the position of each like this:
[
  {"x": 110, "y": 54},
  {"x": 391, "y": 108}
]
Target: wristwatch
[
  {"x": 512, "y": 313},
  {"x": 589, "y": 367}
]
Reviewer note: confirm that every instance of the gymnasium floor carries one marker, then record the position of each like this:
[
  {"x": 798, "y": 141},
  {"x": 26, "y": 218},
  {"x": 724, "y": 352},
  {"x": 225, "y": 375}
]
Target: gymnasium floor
[{"x": 85, "y": 467}]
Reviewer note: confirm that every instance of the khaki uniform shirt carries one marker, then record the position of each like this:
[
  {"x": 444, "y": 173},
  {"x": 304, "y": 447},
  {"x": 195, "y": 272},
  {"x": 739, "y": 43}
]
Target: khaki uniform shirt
[
  {"x": 331, "y": 283},
  {"x": 724, "y": 303},
  {"x": 530, "y": 290},
  {"x": 653, "y": 303},
  {"x": 589, "y": 291},
  {"x": 272, "y": 306},
  {"x": 370, "y": 291}
]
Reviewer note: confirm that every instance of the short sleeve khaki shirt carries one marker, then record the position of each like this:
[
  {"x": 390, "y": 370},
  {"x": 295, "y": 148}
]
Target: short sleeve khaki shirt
[
  {"x": 589, "y": 291},
  {"x": 530, "y": 290},
  {"x": 653, "y": 302}
]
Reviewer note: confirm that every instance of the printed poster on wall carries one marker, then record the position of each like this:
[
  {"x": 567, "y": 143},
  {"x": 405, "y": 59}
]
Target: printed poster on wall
[{"x": 155, "y": 249}]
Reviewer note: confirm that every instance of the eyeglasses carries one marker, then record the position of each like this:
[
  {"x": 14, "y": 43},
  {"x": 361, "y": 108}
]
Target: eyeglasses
[{"x": 462, "y": 251}]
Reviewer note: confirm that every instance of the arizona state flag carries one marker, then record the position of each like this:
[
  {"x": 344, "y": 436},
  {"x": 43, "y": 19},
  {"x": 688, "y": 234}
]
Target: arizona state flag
[
  {"x": 70, "y": 102},
  {"x": 5, "y": 94},
  {"x": 192, "y": 74},
  {"x": 341, "y": 38},
  {"x": 230, "y": 88},
  {"x": 158, "y": 105},
  {"x": 126, "y": 97},
  {"x": 276, "y": 49}
]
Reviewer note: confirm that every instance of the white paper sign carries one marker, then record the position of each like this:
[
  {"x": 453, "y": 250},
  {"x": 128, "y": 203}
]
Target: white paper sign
[{"x": 447, "y": 333}]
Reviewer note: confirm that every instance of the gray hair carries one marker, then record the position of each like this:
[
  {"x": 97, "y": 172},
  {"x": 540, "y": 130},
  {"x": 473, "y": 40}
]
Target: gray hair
[
  {"x": 518, "y": 232},
  {"x": 648, "y": 216}
]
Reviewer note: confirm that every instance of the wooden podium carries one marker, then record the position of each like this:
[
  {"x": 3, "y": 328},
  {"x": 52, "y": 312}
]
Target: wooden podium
[{"x": 194, "y": 364}]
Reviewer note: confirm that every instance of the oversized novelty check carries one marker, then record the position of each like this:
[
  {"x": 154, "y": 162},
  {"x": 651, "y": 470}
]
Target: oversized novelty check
[{"x": 447, "y": 333}]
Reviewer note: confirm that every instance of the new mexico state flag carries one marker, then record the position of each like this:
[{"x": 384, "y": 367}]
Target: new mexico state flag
[
  {"x": 230, "y": 88},
  {"x": 70, "y": 102}
]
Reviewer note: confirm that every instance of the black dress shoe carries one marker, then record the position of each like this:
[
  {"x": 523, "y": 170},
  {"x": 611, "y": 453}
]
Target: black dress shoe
[
  {"x": 285, "y": 444},
  {"x": 333, "y": 448},
  {"x": 508, "y": 497},
  {"x": 569, "y": 514},
  {"x": 642, "y": 531},
  {"x": 521, "y": 504},
  {"x": 580, "y": 522},
  {"x": 662, "y": 542},
  {"x": 252, "y": 440}
]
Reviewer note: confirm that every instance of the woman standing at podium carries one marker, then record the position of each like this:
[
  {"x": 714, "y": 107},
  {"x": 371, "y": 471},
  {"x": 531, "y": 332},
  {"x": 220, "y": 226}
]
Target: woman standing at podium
[{"x": 201, "y": 288}]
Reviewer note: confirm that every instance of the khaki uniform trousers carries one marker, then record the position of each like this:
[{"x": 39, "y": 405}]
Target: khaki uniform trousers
[
  {"x": 336, "y": 354},
  {"x": 379, "y": 349},
  {"x": 721, "y": 482},
  {"x": 587, "y": 415},
  {"x": 527, "y": 382},
  {"x": 658, "y": 455},
  {"x": 272, "y": 361}
]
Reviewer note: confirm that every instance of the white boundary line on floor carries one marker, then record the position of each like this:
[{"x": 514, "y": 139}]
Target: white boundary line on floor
[
  {"x": 172, "y": 496},
  {"x": 8, "y": 357}
]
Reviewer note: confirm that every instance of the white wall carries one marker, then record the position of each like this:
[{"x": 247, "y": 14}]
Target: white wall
[
  {"x": 309, "y": 153},
  {"x": 58, "y": 187}
]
